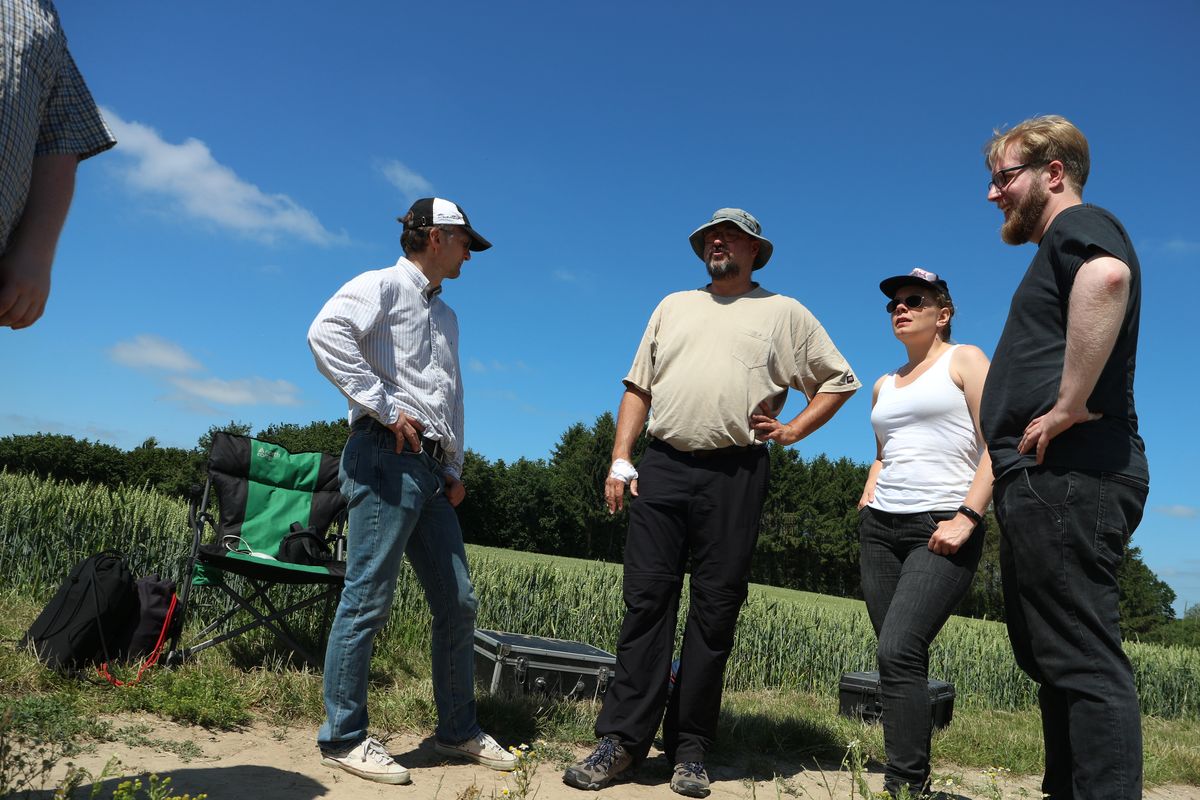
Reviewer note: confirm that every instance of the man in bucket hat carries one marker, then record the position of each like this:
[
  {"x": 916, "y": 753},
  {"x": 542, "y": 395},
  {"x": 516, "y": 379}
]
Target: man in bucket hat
[
  {"x": 716, "y": 363},
  {"x": 389, "y": 343}
]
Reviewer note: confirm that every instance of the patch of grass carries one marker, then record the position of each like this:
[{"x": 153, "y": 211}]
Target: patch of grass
[
  {"x": 139, "y": 735},
  {"x": 53, "y": 718},
  {"x": 204, "y": 693}
]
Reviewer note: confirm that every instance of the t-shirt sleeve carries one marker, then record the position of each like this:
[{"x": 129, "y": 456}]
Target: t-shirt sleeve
[
  {"x": 1085, "y": 234},
  {"x": 641, "y": 373},
  {"x": 820, "y": 365}
]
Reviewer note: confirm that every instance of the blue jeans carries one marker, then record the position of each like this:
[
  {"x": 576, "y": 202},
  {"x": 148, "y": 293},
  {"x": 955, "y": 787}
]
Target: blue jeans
[
  {"x": 1064, "y": 535},
  {"x": 397, "y": 507},
  {"x": 910, "y": 593}
]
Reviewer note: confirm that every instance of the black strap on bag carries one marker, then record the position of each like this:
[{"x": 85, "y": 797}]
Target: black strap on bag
[
  {"x": 305, "y": 546},
  {"x": 86, "y": 620}
]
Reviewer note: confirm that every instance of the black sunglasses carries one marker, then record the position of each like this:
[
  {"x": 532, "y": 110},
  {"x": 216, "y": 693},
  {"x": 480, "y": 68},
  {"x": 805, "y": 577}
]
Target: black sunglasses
[
  {"x": 912, "y": 301},
  {"x": 1003, "y": 177}
]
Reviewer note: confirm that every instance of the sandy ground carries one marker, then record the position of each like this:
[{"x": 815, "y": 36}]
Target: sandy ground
[{"x": 283, "y": 764}]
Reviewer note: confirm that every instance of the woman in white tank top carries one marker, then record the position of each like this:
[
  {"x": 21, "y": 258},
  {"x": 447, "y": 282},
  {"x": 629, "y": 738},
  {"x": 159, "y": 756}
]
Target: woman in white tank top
[{"x": 921, "y": 511}]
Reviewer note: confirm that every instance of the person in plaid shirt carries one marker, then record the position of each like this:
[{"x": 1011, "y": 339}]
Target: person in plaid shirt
[{"x": 48, "y": 124}]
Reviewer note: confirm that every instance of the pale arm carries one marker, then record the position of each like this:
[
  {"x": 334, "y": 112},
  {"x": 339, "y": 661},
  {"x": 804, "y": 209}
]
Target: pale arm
[
  {"x": 1099, "y": 298},
  {"x": 631, "y": 418},
  {"x": 25, "y": 265},
  {"x": 868, "y": 493},
  {"x": 969, "y": 368}
]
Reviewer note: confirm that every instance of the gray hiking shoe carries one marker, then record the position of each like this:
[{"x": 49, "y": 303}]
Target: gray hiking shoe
[
  {"x": 690, "y": 779},
  {"x": 608, "y": 762}
]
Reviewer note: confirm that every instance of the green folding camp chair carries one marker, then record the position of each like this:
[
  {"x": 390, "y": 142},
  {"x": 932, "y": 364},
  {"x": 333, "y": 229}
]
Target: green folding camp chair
[{"x": 261, "y": 490}]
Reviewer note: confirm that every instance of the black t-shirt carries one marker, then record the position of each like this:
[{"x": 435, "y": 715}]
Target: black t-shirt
[{"x": 1027, "y": 368}]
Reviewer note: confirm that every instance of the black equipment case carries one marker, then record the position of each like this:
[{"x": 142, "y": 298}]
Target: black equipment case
[
  {"x": 859, "y": 698},
  {"x": 518, "y": 664}
]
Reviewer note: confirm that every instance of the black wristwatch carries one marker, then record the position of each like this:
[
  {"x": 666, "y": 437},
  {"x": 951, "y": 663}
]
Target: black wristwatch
[{"x": 974, "y": 515}]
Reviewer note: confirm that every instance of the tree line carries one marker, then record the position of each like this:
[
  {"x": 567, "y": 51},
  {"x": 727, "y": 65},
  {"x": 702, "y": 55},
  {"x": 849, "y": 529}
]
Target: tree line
[{"x": 808, "y": 538}]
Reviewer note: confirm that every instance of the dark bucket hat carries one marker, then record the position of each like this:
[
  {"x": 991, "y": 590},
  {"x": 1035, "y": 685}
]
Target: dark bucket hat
[{"x": 744, "y": 221}]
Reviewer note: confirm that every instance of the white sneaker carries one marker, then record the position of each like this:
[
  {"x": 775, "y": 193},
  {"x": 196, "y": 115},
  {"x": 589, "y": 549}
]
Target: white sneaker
[
  {"x": 483, "y": 749},
  {"x": 370, "y": 760}
]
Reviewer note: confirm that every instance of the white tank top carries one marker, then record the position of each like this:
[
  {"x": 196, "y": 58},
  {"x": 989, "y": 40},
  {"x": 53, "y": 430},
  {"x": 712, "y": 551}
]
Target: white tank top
[{"x": 930, "y": 450}]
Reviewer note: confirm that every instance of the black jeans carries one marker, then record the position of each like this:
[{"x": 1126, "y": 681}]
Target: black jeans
[
  {"x": 707, "y": 507},
  {"x": 910, "y": 593},
  {"x": 1064, "y": 535}
]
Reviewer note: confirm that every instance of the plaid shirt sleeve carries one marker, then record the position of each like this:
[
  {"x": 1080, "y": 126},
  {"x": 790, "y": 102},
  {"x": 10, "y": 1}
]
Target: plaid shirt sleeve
[
  {"x": 45, "y": 107},
  {"x": 71, "y": 122}
]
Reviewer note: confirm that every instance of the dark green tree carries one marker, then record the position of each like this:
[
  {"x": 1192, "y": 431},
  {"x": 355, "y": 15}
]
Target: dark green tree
[
  {"x": 477, "y": 512},
  {"x": 1146, "y": 601},
  {"x": 204, "y": 443},
  {"x": 65, "y": 458},
  {"x": 172, "y": 470},
  {"x": 315, "y": 437}
]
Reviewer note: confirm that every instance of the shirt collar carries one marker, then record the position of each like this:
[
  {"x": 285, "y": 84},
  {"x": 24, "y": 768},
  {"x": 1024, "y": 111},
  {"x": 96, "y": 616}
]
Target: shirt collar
[{"x": 418, "y": 278}]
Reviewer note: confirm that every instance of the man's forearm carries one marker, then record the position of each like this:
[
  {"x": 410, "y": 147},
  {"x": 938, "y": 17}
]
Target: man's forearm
[
  {"x": 631, "y": 418},
  {"x": 51, "y": 187},
  {"x": 818, "y": 411}
]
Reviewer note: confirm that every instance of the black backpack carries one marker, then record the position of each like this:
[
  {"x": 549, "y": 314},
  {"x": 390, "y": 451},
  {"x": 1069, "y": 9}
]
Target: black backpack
[{"x": 88, "y": 620}]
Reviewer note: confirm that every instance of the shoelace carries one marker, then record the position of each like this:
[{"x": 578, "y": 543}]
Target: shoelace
[
  {"x": 692, "y": 769},
  {"x": 487, "y": 744},
  {"x": 375, "y": 750},
  {"x": 603, "y": 755}
]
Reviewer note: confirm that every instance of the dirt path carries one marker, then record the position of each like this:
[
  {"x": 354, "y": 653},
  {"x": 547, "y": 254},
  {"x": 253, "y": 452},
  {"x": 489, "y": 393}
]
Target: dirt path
[{"x": 282, "y": 764}]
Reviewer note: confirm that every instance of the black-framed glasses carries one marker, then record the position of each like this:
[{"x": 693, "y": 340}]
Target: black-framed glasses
[
  {"x": 912, "y": 301},
  {"x": 729, "y": 234},
  {"x": 1001, "y": 178}
]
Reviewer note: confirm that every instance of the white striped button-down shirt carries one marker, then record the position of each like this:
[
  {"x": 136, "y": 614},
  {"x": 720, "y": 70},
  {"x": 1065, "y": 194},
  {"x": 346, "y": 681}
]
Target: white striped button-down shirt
[{"x": 390, "y": 344}]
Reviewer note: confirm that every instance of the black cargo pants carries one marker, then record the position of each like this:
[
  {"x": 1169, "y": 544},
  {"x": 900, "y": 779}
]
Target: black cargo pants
[{"x": 706, "y": 505}]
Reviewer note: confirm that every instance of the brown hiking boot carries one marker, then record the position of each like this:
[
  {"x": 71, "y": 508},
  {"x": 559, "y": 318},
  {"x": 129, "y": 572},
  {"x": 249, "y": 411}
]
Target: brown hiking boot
[
  {"x": 608, "y": 762},
  {"x": 690, "y": 779}
]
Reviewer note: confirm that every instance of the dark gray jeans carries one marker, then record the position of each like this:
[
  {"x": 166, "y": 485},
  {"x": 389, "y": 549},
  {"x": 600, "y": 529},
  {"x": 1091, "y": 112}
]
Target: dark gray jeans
[
  {"x": 910, "y": 593},
  {"x": 1064, "y": 535}
]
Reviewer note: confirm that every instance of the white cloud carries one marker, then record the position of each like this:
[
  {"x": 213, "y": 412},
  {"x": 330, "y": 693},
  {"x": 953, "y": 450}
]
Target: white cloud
[
  {"x": 566, "y": 276},
  {"x": 206, "y": 189},
  {"x": 199, "y": 394},
  {"x": 1187, "y": 569},
  {"x": 1182, "y": 246},
  {"x": 22, "y": 424},
  {"x": 476, "y": 365},
  {"x": 150, "y": 351},
  {"x": 240, "y": 392},
  {"x": 411, "y": 184},
  {"x": 1178, "y": 511}
]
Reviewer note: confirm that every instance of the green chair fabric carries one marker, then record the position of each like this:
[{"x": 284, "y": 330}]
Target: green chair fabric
[{"x": 261, "y": 490}]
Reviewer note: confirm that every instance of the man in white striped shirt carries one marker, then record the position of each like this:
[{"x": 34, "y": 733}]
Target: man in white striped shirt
[{"x": 389, "y": 343}]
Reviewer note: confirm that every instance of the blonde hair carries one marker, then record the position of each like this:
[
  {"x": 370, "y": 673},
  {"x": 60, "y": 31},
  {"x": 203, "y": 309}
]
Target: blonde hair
[{"x": 1041, "y": 140}]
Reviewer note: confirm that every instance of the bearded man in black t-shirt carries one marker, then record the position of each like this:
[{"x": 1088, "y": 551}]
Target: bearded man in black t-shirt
[{"x": 1070, "y": 468}]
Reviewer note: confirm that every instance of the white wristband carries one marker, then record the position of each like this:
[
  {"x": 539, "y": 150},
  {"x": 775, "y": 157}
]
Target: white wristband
[{"x": 622, "y": 470}]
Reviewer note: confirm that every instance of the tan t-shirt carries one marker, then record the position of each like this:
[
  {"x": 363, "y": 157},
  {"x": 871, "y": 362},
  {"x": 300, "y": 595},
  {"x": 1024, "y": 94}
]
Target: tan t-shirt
[{"x": 708, "y": 361}]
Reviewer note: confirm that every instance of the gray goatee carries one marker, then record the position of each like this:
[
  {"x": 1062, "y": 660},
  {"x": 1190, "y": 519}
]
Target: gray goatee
[{"x": 729, "y": 269}]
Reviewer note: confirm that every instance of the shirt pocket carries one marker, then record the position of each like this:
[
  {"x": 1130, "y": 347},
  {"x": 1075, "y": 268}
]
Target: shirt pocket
[{"x": 752, "y": 349}]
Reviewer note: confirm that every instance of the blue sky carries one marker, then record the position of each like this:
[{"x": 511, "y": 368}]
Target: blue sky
[{"x": 267, "y": 147}]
